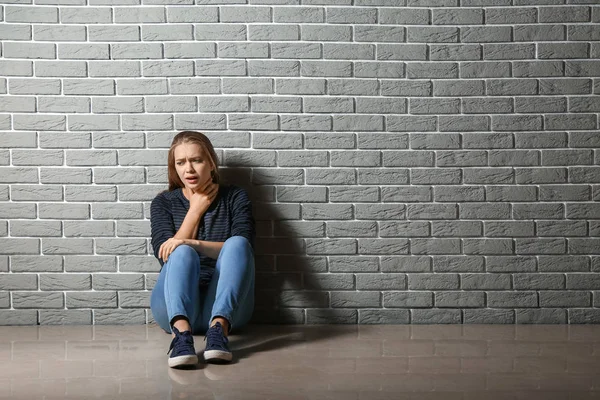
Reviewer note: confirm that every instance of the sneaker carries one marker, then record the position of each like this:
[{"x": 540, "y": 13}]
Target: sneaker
[
  {"x": 183, "y": 353},
  {"x": 216, "y": 345}
]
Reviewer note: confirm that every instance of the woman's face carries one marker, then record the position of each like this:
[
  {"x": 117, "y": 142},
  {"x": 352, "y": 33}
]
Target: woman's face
[{"x": 192, "y": 165}]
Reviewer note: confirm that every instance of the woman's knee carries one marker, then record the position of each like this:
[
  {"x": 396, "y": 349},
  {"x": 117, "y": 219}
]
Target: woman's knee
[
  {"x": 184, "y": 259},
  {"x": 238, "y": 243},
  {"x": 184, "y": 251}
]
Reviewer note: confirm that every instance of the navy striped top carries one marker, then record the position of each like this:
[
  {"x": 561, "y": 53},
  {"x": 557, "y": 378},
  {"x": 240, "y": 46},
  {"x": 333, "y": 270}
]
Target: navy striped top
[{"x": 230, "y": 214}]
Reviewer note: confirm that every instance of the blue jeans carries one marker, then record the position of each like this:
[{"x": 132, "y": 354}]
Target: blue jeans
[{"x": 230, "y": 293}]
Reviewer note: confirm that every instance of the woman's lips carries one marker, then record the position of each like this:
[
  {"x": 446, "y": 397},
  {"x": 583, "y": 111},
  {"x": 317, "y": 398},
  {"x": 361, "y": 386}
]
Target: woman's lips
[{"x": 191, "y": 179}]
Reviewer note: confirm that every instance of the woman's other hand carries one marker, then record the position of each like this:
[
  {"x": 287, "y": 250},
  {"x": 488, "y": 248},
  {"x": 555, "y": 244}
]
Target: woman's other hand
[{"x": 168, "y": 247}]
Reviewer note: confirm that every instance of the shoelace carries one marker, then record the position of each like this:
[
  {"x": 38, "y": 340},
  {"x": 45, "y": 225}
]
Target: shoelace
[
  {"x": 186, "y": 342},
  {"x": 215, "y": 334}
]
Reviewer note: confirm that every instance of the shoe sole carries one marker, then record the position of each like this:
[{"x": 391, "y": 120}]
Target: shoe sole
[
  {"x": 183, "y": 361},
  {"x": 217, "y": 356}
]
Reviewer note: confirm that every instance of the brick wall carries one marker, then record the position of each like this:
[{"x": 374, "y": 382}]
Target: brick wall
[{"x": 410, "y": 161}]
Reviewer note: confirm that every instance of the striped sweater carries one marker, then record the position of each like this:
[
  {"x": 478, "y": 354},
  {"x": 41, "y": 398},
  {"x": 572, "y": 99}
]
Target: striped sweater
[{"x": 230, "y": 214}]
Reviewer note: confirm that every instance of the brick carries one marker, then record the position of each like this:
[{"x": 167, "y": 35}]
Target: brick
[
  {"x": 65, "y": 317},
  {"x": 538, "y": 68},
  {"x": 564, "y": 14},
  {"x": 29, "y": 50},
  {"x": 432, "y": 34},
  {"x": 134, "y": 299},
  {"x": 455, "y": 52},
  {"x": 37, "y": 300},
  {"x": 508, "y": 51},
  {"x": 16, "y": 68},
  {"x": 540, "y": 104},
  {"x": 358, "y": 87},
  {"x": 17, "y": 104},
  {"x": 88, "y": 87},
  {"x": 110, "y": 33},
  {"x": 408, "y": 299},
  {"x": 136, "y": 51},
  {"x": 93, "y": 263},
  {"x": 117, "y": 281},
  {"x": 562, "y": 50},
  {"x": 434, "y": 316},
  {"x": 248, "y": 86},
  {"x": 516, "y": 122},
  {"x": 65, "y": 281},
  {"x": 192, "y": 14},
  {"x": 512, "y": 299},
  {"x": 141, "y": 14},
  {"x": 463, "y": 123},
  {"x": 30, "y": 14},
  {"x": 330, "y": 246},
  {"x": 179, "y": 32},
  {"x": 378, "y": 69},
  {"x": 119, "y": 317},
  {"x": 18, "y": 175},
  {"x": 15, "y": 32},
  {"x": 457, "y": 16},
  {"x": 459, "y": 299},
  {"x": 36, "y": 192},
  {"x": 190, "y": 86},
  {"x": 331, "y": 316},
  {"x": 91, "y": 300},
  {"x": 536, "y": 33},
  {"x": 412, "y": 52},
  {"x": 405, "y": 194},
  {"x": 484, "y": 69},
  {"x": 358, "y": 122},
  {"x": 404, "y": 16},
  {"x": 432, "y": 70},
  {"x": 489, "y": 316},
  {"x": 299, "y": 86},
  {"x": 18, "y": 317},
  {"x": 433, "y": 176},
  {"x": 403, "y": 229},
  {"x": 485, "y": 34},
  {"x": 484, "y": 105},
  {"x": 56, "y": 33},
  {"x": 374, "y": 33},
  {"x": 383, "y": 316},
  {"x": 35, "y": 228},
  {"x": 583, "y": 32},
  {"x": 511, "y": 15},
  {"x": 542, "y": 316},
  {"x": 147, "y": 122},
  {"x": 481, "y": 281},
  {"x": 18, "y": 281},
  {"x": 31, "y": 86},
  {"x": 435, "y": 246},
  {"x": 63, "y": 104}
]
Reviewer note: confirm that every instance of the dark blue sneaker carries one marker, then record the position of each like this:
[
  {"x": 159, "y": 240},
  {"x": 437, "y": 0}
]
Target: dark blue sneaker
[
  {"x": 216, "y": 345},
  {"x": 183, "y": 353}
]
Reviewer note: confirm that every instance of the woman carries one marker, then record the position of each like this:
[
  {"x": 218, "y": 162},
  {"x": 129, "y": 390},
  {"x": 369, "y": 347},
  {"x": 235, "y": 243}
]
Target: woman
[{"x": 203, "y": 237}]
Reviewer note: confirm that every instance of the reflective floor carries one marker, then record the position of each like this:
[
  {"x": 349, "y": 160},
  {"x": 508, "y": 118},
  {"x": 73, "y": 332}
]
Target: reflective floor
[{"x": 307, "y": 362}]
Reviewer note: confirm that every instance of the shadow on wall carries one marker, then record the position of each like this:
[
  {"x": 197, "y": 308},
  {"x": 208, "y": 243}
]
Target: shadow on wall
[{"x": 285, "y": 284}]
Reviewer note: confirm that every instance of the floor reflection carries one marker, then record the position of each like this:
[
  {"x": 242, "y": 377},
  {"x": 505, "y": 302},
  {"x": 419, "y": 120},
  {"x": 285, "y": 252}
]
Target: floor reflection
[{"x": 307, "y": 362}]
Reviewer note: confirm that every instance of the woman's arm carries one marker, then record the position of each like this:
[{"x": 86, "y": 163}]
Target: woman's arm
[
  {"x": 189, "y": 226},
  {"x": 209, "y": 249}
]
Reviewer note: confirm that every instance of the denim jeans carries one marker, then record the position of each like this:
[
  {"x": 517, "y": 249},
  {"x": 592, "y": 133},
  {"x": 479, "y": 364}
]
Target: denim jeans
[{"x": 230, "y": 293}]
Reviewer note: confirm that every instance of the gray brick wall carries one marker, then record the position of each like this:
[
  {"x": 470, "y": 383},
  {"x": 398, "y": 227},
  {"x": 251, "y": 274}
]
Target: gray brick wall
[{"x": 410, "y": 161}]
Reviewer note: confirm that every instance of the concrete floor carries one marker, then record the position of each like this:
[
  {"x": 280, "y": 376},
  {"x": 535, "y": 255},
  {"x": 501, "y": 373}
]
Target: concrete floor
[{"x": 307, "y": 362}]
